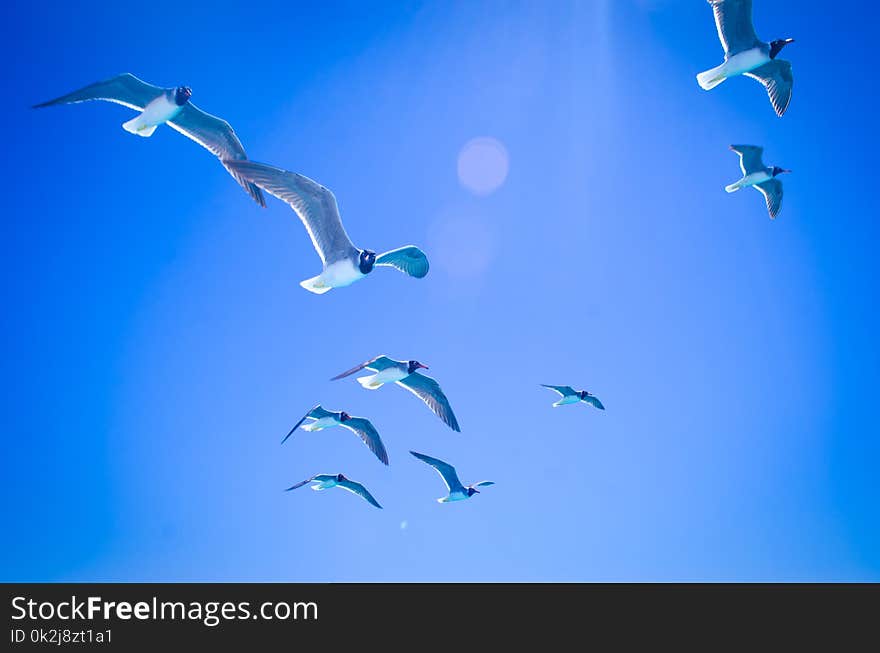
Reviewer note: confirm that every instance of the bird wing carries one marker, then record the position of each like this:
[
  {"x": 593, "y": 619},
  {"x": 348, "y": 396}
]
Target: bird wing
[
  {"x": 777, "y": 79},
  {"x": 483, "y": 484},
  {"x": 594, "y": 401},
  {"x": 376, "y": 364},
  {"x": 317, "y": 412},
  {"x": 428, "y": 390},
  {"x": 446, "y": 471},
  {"x": 314, "y": 204},
  {"x": 564, "y": 390},
  {"x": 368, "y": 433},
  {"x": 733, "y": 18},
  {"x": 772, "y": 192},
  {"x": 318, "y": 477},
  {"x": 749, "y": 158},
  {"x": 360, "y": 490},
  {"x": 217, "y": 136},
  {"x": 409, "y": 259},
  {"x": 124, "y": 89}
]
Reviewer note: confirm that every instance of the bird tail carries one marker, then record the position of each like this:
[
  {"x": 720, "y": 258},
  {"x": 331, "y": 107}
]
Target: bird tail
[
  {"x": 316, "y": 285},
  {"x": 134, "y": 126},
  {"x": 369, "y": 382},
  {"x": 711, "y": 78},
  {"x": 732, "y": 188}
]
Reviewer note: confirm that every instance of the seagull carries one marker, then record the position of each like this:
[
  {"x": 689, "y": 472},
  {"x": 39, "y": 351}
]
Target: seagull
[
  {"x": 325, "y": 419},
  {"x": 759, "y": 176},
  {"x": 157, "y": 106},
  {"x": 325, "y": 481},
  {"x": 404, "y": 374},
  {"x": 316, "y": 207},
  {"x": 457, "y": 491},
  {"x": 745, "y": 54},
  {"x": 572, "y": 396}
]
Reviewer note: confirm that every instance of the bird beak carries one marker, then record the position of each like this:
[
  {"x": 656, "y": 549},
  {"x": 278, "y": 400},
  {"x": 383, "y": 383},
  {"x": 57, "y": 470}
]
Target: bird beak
[
  {"x": 786, "y": 171},
  {"x": 424, "y": 367},
  {"x": 789, "y": 40}
]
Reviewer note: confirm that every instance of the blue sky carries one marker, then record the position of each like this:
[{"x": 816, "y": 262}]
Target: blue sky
[{"x": 158, "y": 346}]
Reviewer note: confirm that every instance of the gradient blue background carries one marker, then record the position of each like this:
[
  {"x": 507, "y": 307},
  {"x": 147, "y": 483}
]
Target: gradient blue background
[{"x": 157, "y": 346}]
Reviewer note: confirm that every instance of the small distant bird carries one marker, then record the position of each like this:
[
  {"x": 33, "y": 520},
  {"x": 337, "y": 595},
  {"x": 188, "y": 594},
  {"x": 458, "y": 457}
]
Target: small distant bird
[
  {"x": 746, "y": 54},
  {"x": 457, "y": 491},
  {"x": 404, "y": 374},
  {"x": 325, "y": 419},
  {"x": 761, "y": 177},
  {"x": 325, "y": 481},
  {"x": 316, "y": 207},
  {"x": 572, "y": 396},
  {"x": 159, "y": 106}
]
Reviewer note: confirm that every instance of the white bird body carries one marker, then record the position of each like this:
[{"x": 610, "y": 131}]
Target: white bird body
[
  {"x": 738, "y": 64},
  {"x": 377, "y": 380},
  {"x": 570, "y": 399},
  {"x": 320, "y": 424},
  {"x": 157, "y": 112},
  {"x": 752, "y": 179},
  {"x": 324, "y": 485},
  {"x": 454, "y": 496},
  {"x": 336, "y": 275}
]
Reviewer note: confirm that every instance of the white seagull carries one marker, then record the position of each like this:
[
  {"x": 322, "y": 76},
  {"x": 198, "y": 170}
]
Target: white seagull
[
  {"x": 316, "y": 207},
  {"x": 571, "y": 396},
  {"x": 404, "y": 374},
  {"x": 171, "y": 106},
  {"x": 457, "y": 491},
  {"x": 326, "y": 481},
  {"x": 760, "y": 177},
  {"x": 325, "y": 419},
  {"x": 746, "y": 54}
]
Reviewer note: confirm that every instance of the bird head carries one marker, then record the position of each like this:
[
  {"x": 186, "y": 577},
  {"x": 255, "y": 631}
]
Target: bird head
[
  {"x": 344, "y": 417},
  {"x": 366, "y": 261},
  {"x": 340, "y": 478},
  {"x": 778, "y": 171},
  {"x": 182, "y": 95},
  {"x": 472, "y": 491},
  {"x": 777, "y": 45},
  {"x": 415, "y": 365}
]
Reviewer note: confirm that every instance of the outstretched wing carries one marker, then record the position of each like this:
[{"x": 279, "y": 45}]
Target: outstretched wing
[
  {"x": 360, "y": 490},
  {"x": 217, "y": 136},
  {"x": 594, "y": 401},
  {"x": 301, "y": 483},
  {"x": 408, "y": 259},
  {"x": 376, "y": 364},
  {"x": 777, "y": 79},
  {"x": 317, "y": 412},
  {"x": 446, "y": 471},
  {"x": 124, "y": 89},
  {"x": 314, "y": 204},
  {"x": 564, "y": 390},
  {"x": 772, "y": 192},
  {"x": 368, "y": 433},
  {"x": 428, "y": 390},
  {"x": 749, "y": 158},
  {"x": 733, "y": 19}
]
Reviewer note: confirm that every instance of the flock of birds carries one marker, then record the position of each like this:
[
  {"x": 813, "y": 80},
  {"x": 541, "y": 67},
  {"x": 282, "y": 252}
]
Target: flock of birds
[{"x": 344, "y": 263}]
